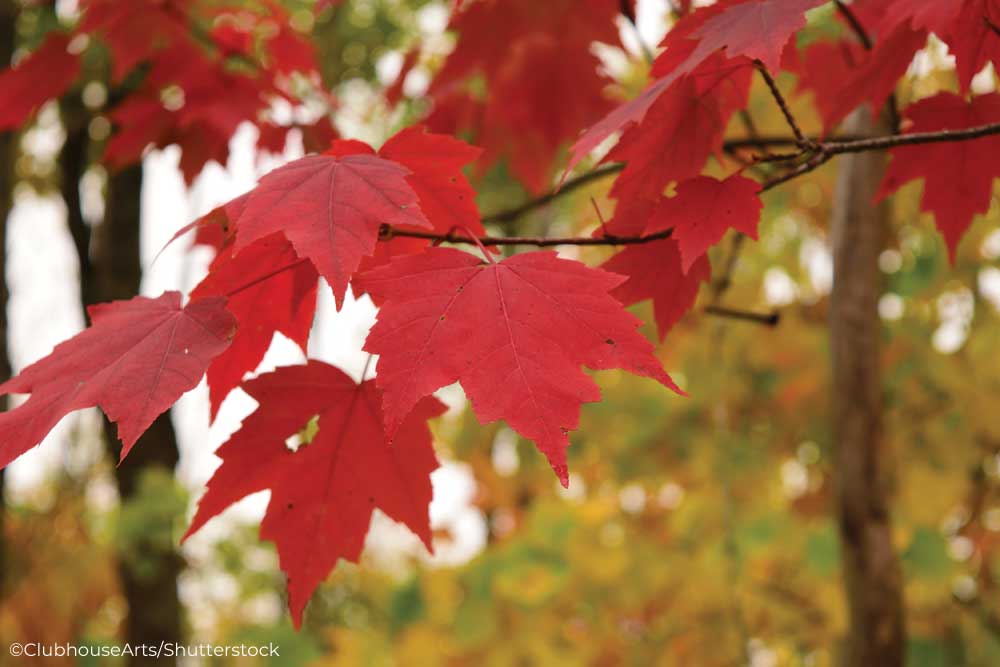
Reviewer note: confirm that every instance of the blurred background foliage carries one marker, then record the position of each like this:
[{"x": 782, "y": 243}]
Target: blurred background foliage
[{"x": 695, "y": 531}]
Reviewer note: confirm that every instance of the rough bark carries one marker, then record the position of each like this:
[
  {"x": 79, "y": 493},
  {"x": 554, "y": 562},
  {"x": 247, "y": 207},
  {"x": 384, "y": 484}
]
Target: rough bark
[
  {"x": 871, "y": 569},
  {"x": 8, "y": 155},
  {"x": 154, "y": 607}
]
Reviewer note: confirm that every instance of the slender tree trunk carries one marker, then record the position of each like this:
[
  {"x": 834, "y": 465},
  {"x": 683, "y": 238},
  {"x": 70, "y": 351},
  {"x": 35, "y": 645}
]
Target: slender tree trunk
[
  {"x": 872, "y": 575},
  {"x": 110, "y": 269},
  {"x": 73, "y": 161},
  {"x": 154, "y": 607},
  {"x": 8, "y": 156}
]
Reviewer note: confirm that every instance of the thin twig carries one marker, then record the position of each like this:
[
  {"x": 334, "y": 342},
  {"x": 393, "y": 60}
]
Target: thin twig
[
  {"x": 800, "y": 138},
  {"x": 855, "y": 23},
  {"x": 767, "y": 319},
  {"x": 816, "y": 161},
  {"x": 836, "y": 147},
  {"x": 539, "y": 241},
  {"x": 572, "y": 184}
]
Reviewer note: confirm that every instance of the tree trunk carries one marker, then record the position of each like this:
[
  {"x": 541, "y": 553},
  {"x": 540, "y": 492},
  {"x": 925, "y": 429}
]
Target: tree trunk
[
  {"x": 8, "y": 156},
  {"x": 154, "y": 608},
  {"x": 872, "y": 575}
]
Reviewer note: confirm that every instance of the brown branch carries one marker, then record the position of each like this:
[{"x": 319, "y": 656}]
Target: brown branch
[
  {"x": 772, "y": 85},
  {"x": 389, "y": 233},
  {"x": 855, "y": 23},
  {"x": 836, "y": 147},
  {"x": 816, "y": 161},
  {"x": 767, "y": 319},
  {"x": 512, "y": 214}
]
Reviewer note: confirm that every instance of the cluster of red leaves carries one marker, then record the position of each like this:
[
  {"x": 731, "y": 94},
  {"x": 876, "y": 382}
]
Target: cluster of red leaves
[
  {"x": 542, "y": 81},
  {"x": 191, "y": 94},
  {"x": 844, "y": 74},
  {"x": 517, "y": 333},
  {"x": 497, "y": 328}
]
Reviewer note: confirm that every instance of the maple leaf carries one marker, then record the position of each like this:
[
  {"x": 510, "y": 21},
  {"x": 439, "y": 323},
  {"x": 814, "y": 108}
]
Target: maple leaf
[
  {"x": 323, "y": 494},
  {"x": 543, "y": 82},
  {"x": 331, "y": 209},
  {"x": 137, "y": 358},
  {"x": 446, "y": 198},
  {"x": 654, "y": 272},
  {"x": 514, "y": 333},
  {"x": 958, "y": 176},
  {"x": 875, "y": 79},
  {"x": 756, "y": 29},
  {"x": 749, "y": 29},
  {"x": 136, "y": 30},
  {"x": 44, "y": 75},
  {"x": 269, "y": 290},
  {"x": 680, "y": 132},
  {"x": 972, "y": 39},
  {"x": 704, "y": 209},
  {"x": 823, "y": 69},
  {"x": 934, "y": 16},
  {"x": 204, "y": 123},
  {"x": 435, "y": 162},
  {"x": 214, "y": 229}
]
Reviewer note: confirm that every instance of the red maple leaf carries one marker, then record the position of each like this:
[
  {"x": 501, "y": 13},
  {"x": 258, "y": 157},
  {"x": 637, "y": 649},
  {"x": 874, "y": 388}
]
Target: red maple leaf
[
  {"x": 934, "y": 16},
  {"x": 654, "y": 272},
  {"x": 824, "y": 68},
  {"x": 973, "y": 39},
  {"x": 45, "y": 74},
  {"x": 704, "y": 209},
  {"x": 331, "y": 209},
  {"x": 202, "y": 126},
  {"x": 958, "y": 176},
  {"x": 514, "y": 333},
  {"x": 435, "y": 162},
  {"x": 445, "y": 196},
  {"x": 742, "y": 29},
  {"x": 875, "y": 79},
  {"x": 269, "y": 290},
  {"x": 137, "y": 358},
  {"x": 755, "y": 29},
  {"x": 543, "y": 82},
  {"x": 134, "y": 31},
  {"x": 323, "y": 494},
  {"x": 679, "y": 133}
]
